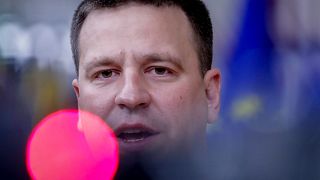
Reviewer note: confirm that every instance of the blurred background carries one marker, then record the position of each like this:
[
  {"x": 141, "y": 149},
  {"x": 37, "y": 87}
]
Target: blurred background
[{"x": 267, "y": 50}]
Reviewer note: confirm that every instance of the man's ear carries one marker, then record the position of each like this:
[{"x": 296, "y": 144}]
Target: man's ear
[
  {"x": 213, "y": 84},
  {"x": 75, "y": 85}
]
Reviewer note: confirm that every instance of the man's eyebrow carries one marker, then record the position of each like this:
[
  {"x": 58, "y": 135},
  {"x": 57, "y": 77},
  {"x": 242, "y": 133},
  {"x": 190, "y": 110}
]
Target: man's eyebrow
[
  {"x": 153, "y": 58},
  {"x": 97, "y": 62},
  {"x": 147, "y": 58}
]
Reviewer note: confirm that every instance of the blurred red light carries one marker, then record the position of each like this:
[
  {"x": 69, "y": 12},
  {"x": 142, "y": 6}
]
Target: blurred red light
[{"x": 57, "y": 149}]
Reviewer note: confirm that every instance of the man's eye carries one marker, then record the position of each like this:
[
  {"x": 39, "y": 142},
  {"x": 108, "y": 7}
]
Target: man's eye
[
  {"x": 160, "y": 71},
  {"x": 106, "y": 74}
]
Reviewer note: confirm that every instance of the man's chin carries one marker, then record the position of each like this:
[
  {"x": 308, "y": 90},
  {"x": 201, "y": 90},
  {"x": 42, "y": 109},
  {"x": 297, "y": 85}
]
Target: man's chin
[
  {"x": 160, "y": 163},
  {"x": 152, "y": 152}
]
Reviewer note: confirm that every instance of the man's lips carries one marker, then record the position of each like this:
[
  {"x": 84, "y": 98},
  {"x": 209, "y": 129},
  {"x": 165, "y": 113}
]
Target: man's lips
[{"x": 134, "y": 133}]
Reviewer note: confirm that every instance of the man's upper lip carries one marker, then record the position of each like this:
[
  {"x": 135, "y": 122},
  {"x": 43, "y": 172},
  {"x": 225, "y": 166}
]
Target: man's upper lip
[{"x": 133, "y": 128}]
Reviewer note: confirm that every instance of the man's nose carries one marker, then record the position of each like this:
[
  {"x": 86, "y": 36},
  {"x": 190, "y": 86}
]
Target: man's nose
[{"x": 133, "y": 94}]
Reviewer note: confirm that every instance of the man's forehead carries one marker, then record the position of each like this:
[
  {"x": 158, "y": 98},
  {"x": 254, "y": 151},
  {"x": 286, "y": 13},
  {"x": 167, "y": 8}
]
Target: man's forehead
[
  {"x": 135, "y": 12},
  {"x": 127, "y": 15},
  {"x": 140, "y": 6},
  {"x": 111, "y": 24}
]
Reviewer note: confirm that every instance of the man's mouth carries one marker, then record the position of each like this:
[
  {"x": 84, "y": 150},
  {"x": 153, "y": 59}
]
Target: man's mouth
[{"x": 134, "y": 133}]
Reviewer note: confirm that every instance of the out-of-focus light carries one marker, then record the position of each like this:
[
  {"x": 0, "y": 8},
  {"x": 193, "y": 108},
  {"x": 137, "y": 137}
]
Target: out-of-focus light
[
  {"x": 246, "y": 107},
  {"x": 14, "y": 42},
  {"x": 58, "y": 149},
  {"x": 46, "y": 45},
  {"x": 66, "y": 59}
]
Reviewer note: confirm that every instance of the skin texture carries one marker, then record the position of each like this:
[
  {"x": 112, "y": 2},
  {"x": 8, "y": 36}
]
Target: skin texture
[{"x": 139, "y": 65}]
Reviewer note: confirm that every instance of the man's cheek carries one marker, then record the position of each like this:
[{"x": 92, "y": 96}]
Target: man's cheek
[
  {"x": 94, "y": 103},
  {"x": 185, "y": 119},
  {"x": 176, "y": 124}
]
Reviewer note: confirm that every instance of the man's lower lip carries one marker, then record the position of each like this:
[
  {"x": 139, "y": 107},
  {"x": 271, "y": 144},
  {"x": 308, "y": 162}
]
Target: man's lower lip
[
  {"x": 135, "y": 144},
  {"x": 133, "y": 140}
]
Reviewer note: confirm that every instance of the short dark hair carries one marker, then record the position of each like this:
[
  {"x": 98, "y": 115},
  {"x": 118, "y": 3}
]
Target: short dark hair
[{"x": 195, "y": 10}]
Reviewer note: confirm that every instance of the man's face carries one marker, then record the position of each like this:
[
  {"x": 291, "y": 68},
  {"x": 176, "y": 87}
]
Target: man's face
[{"x": 139, "y": 71}]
